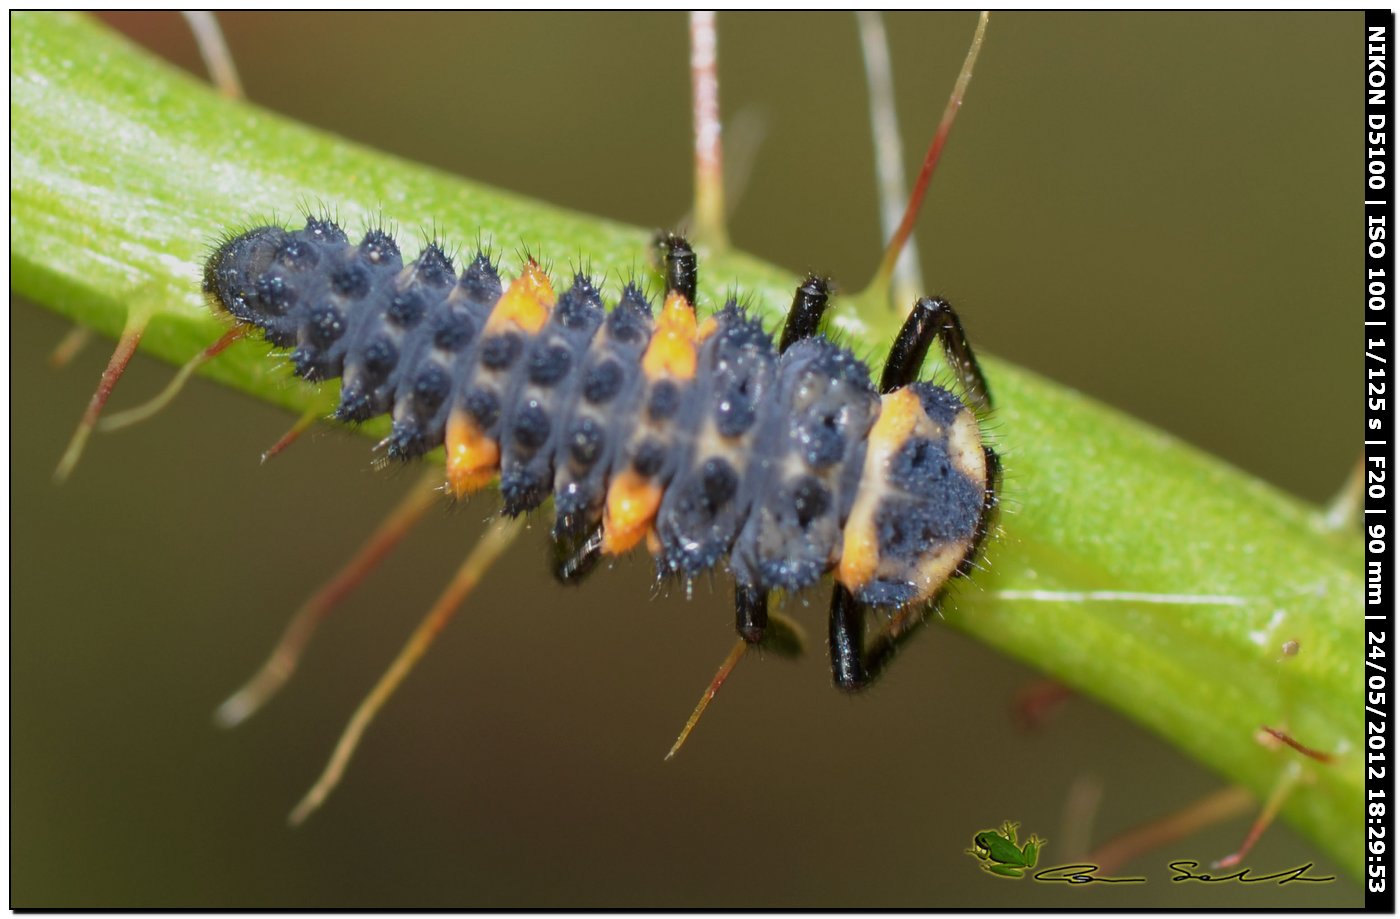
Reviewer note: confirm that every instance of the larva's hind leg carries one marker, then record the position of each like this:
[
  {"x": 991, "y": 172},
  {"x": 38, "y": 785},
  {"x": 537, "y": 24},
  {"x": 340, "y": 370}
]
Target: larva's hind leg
[
  {"x": 853, "y": 665},
  {"x": 934, "y": 318}
]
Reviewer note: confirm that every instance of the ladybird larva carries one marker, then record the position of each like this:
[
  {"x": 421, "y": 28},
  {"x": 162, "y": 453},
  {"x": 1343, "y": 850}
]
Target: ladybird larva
[{"x": 700, "y": 437}]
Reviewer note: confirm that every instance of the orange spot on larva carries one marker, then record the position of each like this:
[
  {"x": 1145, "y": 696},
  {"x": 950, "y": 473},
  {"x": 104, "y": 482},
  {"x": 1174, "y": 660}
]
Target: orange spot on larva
[
  {"x": 526, "y": 302},
  {"x": 671, "y": 351},
  {"x": 860, "y": 554},
  {"x": 472, "y": 457},
  {"x": 900, "y": 411},
  {"x": 632, "y": 503}
]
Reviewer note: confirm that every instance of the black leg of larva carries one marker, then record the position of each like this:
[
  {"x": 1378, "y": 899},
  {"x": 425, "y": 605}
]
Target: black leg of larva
[
  {"x": 808, "y": 305},
  {"x": 750, "y": 613},
  {"x": 573, "y": 558},
  {"x": 846, "y": 638},
  {"x": 681, "y": 271},
  {"x": 934, "y": 318},
  {"x": 854, "y": 664}
]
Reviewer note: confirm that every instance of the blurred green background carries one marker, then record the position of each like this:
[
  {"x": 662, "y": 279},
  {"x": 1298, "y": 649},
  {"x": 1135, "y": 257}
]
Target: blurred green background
[{"x": 1160, "y": 210}]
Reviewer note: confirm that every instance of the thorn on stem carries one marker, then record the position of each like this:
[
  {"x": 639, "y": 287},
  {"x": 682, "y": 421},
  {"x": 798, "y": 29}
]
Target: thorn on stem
[
  {"x": 69, "y": 346},
  {"x": 889, "y": 148},
  {"x": 881, "y": 281},
  {"x": 116, "y": 366},
  {"x": 495, "y": 541},
  {"x": 209, "y": 36},
  {"x": 1214, "y": 808},
  {"x": 709, "y": 153},
  {"x": 1285, "y": 738},
  {"x": 286, "y": 655},
  {"x": 296, "y": 430},
  {"x": 1286, "y": 783},
  {"x": 172, "y": 389},
  {"x": 725, "y": 669}
]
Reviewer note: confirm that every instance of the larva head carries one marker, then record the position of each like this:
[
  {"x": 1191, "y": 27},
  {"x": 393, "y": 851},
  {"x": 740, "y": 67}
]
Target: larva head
[
  {"x": 268, "y": 276},
  {"x": 922, "y": 495},
  {"x": 231, "y": 275}
]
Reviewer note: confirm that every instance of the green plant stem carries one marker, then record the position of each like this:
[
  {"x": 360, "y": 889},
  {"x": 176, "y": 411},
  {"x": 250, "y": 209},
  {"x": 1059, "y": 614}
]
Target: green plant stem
[{"x": 123, "y": 171}]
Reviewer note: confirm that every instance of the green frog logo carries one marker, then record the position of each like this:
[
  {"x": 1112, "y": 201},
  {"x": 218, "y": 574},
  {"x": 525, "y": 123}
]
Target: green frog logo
[{"x": 1001, "y": 855}]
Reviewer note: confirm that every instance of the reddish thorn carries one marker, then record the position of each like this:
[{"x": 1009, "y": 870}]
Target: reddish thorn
[
  {"x": 116, "y": 366},
  {"x": 935, "y": 152},
  {"x": 289, "y": 438},
  {"x": 1306, "y": 751},
  {"x": 725, "y": 669},
  {"x": 287, "y": 654},
  {"x": 1214, "y": 808},
  {"x": 172, "y": 389},
  {"x": 69, "y": 346},
  {"x": 237, "y": 333},
  {"x": 496, "y": 540},
  {"x": 1266, "y": 817}
]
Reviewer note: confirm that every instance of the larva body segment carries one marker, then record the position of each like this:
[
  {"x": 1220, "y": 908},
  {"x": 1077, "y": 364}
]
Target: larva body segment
[
  {"x": 818, "y": 443},
  {"x": 705, "y": 503},
  {"x": 608, "y": 390},
  {"x": 701, "y": 437},
  {"x": 542, "y": 397}
]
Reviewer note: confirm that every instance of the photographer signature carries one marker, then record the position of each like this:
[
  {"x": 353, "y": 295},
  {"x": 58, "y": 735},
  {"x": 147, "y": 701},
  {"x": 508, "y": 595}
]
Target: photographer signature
[
  {"x": 1084, "y": 874},
  {"x": 1286, "y": 876},
  {"x": 1079, "y": 874}
]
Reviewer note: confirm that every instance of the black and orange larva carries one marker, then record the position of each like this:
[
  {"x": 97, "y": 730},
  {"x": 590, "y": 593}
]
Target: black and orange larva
[{"x": 700, "y": 438}]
